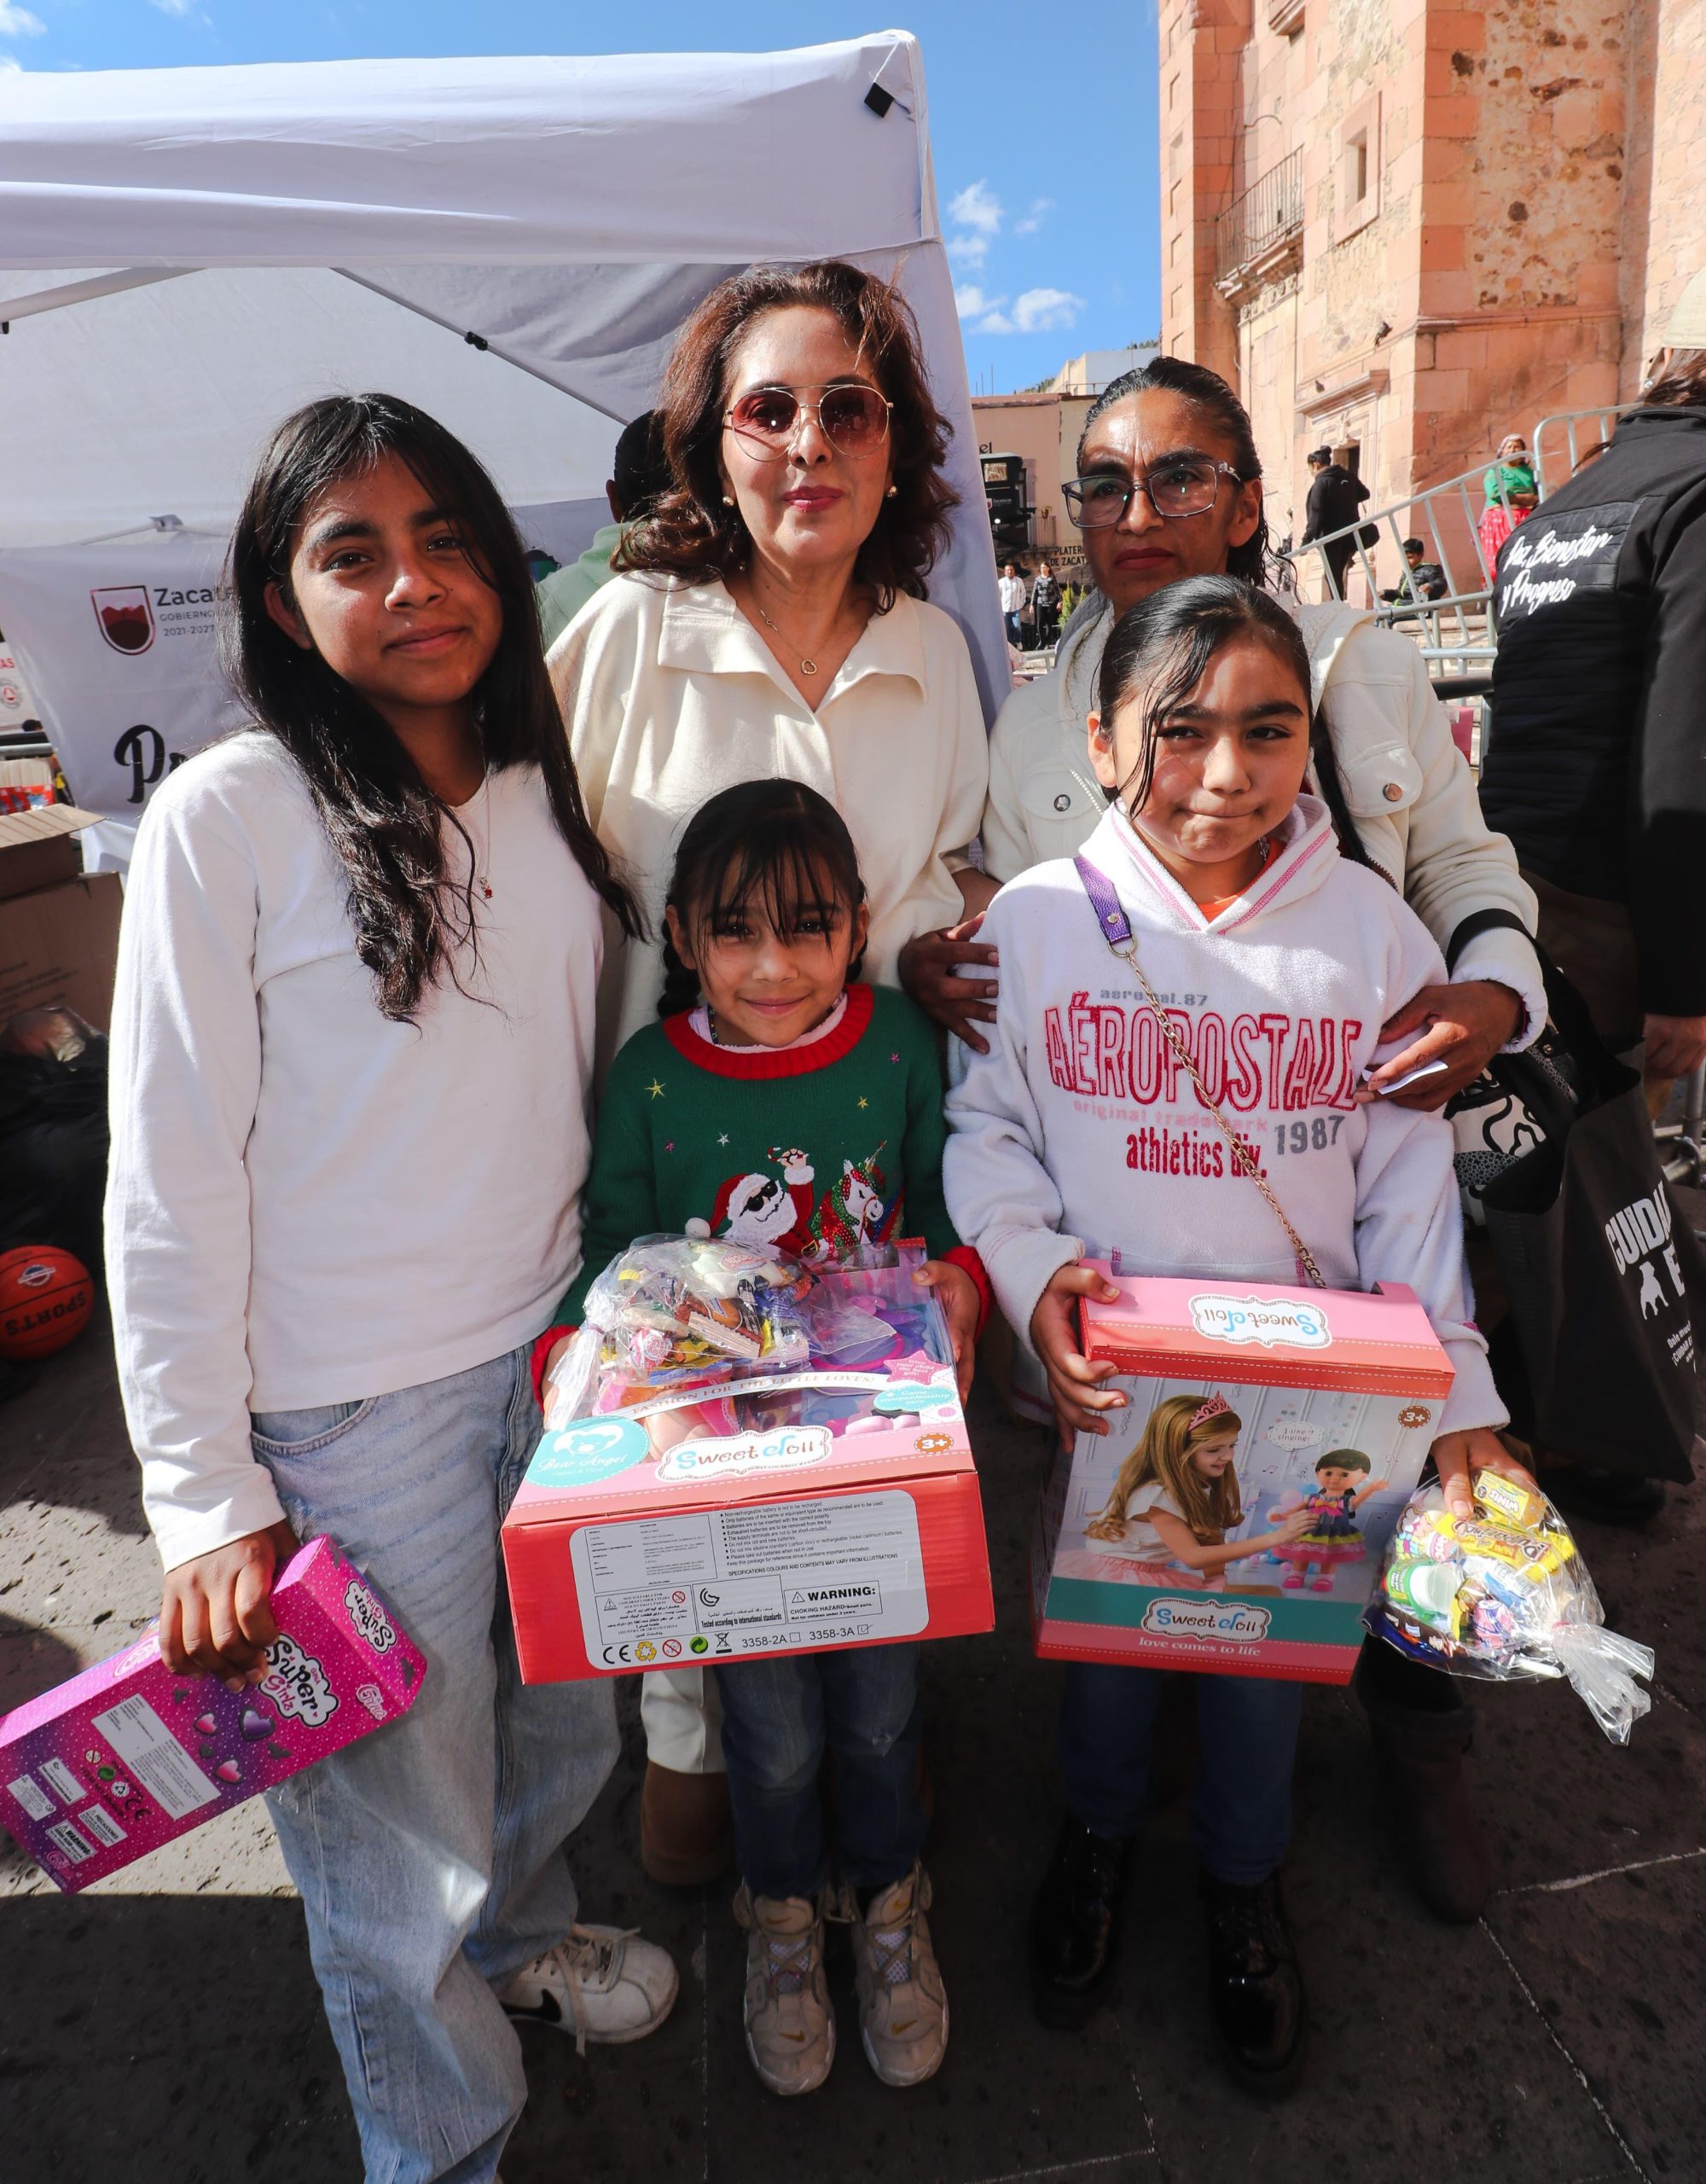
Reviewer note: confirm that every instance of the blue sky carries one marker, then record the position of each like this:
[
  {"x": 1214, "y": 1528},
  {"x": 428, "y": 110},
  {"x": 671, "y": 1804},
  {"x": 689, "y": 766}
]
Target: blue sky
[{"x": 1042, "y": 117}]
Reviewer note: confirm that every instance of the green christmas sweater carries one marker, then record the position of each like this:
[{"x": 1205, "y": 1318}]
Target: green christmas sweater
[{"x": 810, "y": 1149}]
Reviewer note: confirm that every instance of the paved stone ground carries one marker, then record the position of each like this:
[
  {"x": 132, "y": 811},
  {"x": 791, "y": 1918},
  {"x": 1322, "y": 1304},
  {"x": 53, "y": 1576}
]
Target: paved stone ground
[{"x": 165, "y": 2028}]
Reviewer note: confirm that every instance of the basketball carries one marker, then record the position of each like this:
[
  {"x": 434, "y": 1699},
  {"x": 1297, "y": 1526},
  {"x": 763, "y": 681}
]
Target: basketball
[{"x": 45, "y": 1300}]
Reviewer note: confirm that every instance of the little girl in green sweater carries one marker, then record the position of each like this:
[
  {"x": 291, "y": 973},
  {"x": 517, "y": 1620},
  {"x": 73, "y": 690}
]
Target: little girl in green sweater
[{"x": 782, "y": 1103}]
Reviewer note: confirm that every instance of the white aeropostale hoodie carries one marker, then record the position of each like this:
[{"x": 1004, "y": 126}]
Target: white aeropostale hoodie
[{"x": 1079, "y": 1131}]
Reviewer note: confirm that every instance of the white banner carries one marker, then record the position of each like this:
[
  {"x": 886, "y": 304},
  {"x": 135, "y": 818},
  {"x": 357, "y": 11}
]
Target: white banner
[
  {"x": 115, "y": 643},
  {"x": 116, "y": 646}
]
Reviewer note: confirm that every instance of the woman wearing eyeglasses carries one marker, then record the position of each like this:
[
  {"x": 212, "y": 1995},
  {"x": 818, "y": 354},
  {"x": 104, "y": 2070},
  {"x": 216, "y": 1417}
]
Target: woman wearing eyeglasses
[
  {"x": 771, "y": 621},
  {"x": 1169, "y": 485}
]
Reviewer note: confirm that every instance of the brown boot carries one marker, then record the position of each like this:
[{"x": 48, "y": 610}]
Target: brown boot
[
  {"x": 684, "y": 1835},
  {"x": 1421, "y": 1752}
]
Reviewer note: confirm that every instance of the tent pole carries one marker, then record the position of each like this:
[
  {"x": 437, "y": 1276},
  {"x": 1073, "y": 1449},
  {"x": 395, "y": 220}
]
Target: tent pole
[
  {"x": 480, "y": 341},
  {"x": 83, "y": 292}
]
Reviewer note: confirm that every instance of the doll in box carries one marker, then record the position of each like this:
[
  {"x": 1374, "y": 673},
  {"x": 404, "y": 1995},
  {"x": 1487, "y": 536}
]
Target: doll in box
[{"x": 1333, "y": 1535}]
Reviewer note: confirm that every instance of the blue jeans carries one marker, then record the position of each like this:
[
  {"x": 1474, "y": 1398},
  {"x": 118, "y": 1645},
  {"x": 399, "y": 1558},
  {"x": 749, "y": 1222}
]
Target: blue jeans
[
  {"x": 1247, "y": 1746},
  {"x": 778, "y": 1717},
  {"x": 429, "y": 1857}
]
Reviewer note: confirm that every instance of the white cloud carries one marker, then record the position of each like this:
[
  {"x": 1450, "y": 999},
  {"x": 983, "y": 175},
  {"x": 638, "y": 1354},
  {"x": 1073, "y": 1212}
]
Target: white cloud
[
  {"x": 173, "y": 7},
  {"x": 10, "y": 66},
  {"x": 977, "y": 206},
  {"x": 19, "y": 22},
  {"x": 969, "y": 251},
  {"x": 1040, "y": 208},
  {"x": 982, "y": 313},
  {"x": 1042, "y": 310}
]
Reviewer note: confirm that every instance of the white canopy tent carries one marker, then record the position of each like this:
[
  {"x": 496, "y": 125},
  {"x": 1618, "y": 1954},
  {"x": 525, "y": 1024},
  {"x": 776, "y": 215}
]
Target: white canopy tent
[{"x": 187, "y": 254}]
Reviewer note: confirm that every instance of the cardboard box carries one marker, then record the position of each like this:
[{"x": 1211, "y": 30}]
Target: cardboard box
[
  {"x": 1304, "y": 1375},
  {"x": 59, "y": 930},
  {"x": 841, "y": 1510},
  {"x": 127, "y": 1756}
]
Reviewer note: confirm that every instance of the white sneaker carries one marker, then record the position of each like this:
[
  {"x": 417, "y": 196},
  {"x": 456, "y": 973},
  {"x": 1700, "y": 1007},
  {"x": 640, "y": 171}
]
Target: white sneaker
[
  {"x": 903, "y": 2006},
  {"x": 790, "y": 2026},
  {"x": 603, "y": 1983}
]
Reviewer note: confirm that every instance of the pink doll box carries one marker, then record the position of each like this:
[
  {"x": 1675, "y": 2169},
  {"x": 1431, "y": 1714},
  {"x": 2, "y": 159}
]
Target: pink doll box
[
  {"x": 834, "y": 1508},
  {"x": 1304, "y": 1375},
  {"x": 127, "y": 1756}
]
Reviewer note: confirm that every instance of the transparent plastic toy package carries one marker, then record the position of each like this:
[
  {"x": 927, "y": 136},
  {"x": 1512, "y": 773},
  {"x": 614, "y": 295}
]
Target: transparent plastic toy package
[
  {"x": 1506, "y": 1593},
  {"x": 673, "y": 1313}
]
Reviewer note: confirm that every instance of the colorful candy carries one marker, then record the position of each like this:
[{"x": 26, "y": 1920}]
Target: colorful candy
[{"x": 1503, "y": 1594}]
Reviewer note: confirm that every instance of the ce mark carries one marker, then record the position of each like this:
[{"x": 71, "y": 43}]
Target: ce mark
[{"x": 620, "y": 1657}]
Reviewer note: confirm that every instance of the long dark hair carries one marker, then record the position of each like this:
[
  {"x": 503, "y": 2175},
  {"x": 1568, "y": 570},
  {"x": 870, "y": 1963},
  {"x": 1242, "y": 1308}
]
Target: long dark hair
[
  {"x": 1163, "y": 647},
  {"x": 774, "y": 842},
  {"x": 1208, "y": 392},
  {"x": 381, "y": 818},
  {"x": 691, "y": 534}
]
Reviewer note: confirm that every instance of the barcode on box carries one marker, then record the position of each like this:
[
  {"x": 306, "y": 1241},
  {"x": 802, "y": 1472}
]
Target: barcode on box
[
  {"x": 31, "y": 1795},
  {"x": 101, "y": 1825},
  {"x": 66, "y": 1835}
]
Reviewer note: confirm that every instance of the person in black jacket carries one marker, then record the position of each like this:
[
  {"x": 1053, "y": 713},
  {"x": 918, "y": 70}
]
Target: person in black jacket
[
  {"x": 1596, "y": 765},
  {"x": 1335, "y": 499}
]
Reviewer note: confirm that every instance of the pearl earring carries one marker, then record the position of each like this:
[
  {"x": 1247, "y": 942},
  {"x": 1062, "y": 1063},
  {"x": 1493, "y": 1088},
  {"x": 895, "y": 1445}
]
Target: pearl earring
[
  {"x": 892, "y": 491},
  {"x": 728, "y": 500}
]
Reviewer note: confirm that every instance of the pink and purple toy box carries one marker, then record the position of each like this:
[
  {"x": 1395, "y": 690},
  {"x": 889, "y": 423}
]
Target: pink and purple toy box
[
  {"x": 127, "y": 1756},
  {"x": 1308, "y": 1414}
]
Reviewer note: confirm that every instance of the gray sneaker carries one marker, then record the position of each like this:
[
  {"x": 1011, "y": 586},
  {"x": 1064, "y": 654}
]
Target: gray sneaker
[
  {"x": 902, "y": 2007},
  {"x": 790, "y": 2026}
]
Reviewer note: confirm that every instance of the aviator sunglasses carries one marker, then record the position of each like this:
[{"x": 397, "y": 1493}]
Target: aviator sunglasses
[{"x": 853, "y": 418}]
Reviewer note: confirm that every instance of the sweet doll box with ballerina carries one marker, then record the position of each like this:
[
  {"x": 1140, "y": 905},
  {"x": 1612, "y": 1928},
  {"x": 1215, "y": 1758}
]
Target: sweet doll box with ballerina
[
  {"x": 1233, "y": 1518},
  {"x": 127, "y": 1756},
  {"x": 807, "y": 1487}
]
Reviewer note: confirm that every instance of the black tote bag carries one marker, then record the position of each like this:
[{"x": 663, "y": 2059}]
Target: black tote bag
[{"x": 1601, "y": 1269}]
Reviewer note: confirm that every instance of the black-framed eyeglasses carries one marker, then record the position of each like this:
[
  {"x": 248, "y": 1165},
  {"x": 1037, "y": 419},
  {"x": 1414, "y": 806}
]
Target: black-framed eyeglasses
[
  {"x": 853, "y": 419},
  {"x": 1186, "y": 486}
]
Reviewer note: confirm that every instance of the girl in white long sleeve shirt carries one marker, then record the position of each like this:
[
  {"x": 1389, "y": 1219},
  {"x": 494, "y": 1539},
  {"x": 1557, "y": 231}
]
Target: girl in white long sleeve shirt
[
  {"x": 352, "y": 1044},
  {"x": 1275, "y": 959}
]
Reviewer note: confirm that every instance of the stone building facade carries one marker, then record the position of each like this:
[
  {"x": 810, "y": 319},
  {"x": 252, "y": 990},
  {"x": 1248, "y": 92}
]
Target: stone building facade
[{"x": 1404, "y": 227}]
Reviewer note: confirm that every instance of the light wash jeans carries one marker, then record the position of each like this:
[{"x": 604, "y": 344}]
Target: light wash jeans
[{"x": 429, "y": 1856}]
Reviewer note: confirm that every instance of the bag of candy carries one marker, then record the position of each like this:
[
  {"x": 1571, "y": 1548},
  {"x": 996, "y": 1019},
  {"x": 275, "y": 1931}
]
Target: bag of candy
[
  {"x": 1504, "y": 1593},
  {"x": 681, "y": 1312}
]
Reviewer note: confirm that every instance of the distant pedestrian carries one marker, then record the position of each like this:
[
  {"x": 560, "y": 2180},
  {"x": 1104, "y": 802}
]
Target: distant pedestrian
[
  {"x": 1045, "y": 604},
  {"x": 1512, "y": 495},
  {"x": 1335, "y": 499},
  {"x": 1012, "y": 589}
]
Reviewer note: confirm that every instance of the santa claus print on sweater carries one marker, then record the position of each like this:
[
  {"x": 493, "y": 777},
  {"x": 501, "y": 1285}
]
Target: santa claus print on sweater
[{"x": 773, "y": 1209}]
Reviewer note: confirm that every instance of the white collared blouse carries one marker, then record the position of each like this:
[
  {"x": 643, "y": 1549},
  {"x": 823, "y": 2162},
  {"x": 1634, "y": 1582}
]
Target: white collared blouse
[{"x": 669, "y": 696}]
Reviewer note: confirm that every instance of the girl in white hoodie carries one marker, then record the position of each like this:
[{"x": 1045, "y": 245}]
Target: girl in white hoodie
[{"x": 1276, "y": 956}]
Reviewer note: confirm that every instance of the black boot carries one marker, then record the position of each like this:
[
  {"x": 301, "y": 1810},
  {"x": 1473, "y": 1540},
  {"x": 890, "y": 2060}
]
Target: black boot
[
  {"x": 1075, "y": 1927},
  {"x": 1423, "y": 1733},
  {"x": 1256, "y": 1990}
]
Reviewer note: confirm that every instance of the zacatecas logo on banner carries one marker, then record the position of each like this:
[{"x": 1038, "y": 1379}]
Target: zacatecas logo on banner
[{"x": 116, "y": 644}]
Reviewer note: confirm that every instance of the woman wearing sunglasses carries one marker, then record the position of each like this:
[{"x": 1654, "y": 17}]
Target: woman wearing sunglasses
[
  {"x": 771, "y": 621},
  {"x": 1170, "y": 486}
]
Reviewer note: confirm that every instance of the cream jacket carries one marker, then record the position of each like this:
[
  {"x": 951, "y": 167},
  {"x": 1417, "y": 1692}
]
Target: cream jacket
[
  {"x": 1411, "y": 795},
  {"x": 670, "y": 696}
]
